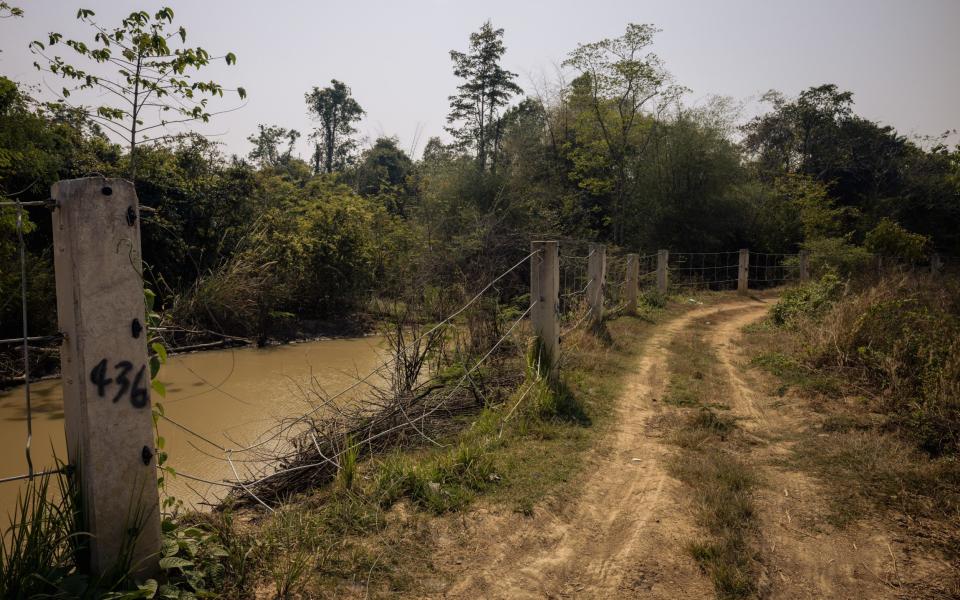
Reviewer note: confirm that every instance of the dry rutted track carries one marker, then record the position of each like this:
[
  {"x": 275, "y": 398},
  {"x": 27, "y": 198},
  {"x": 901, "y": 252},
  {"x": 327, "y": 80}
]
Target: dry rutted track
[{"x": 625, "y": 534}]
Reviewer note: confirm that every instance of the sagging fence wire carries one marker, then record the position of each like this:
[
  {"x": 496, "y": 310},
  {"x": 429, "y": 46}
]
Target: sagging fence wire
[
  {"x": 347, "y": 442},
  {"x": 405, "y": 421}
]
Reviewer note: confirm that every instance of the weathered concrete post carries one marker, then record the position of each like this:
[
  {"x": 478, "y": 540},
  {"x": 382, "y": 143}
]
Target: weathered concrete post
[
  {"x": 632, "y": 281},
  {"x": 663, "y": 259},
  {"x": 743, "y": 273},
  {"x": 106, "y": 378},
  {"x": 596, "y": 280},
  {"x": 936, "y": 264},
  {"x": 804, "y": 266},
  {"x": 544, "y": 299}
]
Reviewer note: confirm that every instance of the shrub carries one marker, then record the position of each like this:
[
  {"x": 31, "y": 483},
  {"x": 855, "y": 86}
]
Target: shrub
[
  {"x": 807, "y": 300},
  {"x": 888, "y": 238},
  {"x": 900, "y": 338}
]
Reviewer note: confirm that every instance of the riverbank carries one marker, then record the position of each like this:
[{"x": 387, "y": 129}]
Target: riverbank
[{"x": 400, "y": 523}]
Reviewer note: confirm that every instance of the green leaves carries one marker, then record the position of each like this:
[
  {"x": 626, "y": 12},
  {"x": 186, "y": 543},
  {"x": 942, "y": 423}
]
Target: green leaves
[{"x": 150, "y": 74}]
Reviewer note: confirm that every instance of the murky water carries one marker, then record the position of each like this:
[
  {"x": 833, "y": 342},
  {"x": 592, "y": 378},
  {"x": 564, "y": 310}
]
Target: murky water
[{"x": 228, "y": 396}]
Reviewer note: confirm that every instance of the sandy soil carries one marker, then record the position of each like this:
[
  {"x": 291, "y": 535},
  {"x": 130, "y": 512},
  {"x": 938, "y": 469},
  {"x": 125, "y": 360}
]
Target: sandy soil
[{"x": 625, "y": 531}]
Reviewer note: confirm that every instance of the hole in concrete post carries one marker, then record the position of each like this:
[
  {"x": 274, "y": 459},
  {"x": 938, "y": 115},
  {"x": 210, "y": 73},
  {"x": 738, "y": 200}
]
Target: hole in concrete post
[
  {"x": 146, "y": 454},
  {"x": 131, "y": 216},
  {"x": 136, "y": 328},
  {"x": 106, "y": 190}
]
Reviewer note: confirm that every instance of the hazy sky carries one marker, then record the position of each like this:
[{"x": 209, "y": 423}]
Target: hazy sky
[{"x": 900, "y": 58}]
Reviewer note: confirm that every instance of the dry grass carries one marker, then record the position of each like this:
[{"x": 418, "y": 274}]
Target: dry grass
[
  {"x": 710, "y": 463},
  {"x": 876, "y": 376}
]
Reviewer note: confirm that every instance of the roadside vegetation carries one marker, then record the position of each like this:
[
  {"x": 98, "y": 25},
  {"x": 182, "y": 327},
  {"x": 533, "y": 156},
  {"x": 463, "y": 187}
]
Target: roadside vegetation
[{"x": 875, "y": 361}]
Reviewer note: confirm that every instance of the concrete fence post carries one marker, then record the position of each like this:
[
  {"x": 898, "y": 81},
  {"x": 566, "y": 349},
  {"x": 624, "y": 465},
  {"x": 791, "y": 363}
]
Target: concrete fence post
[
  {"x": 743, "y": 274},
  {"x": 596, "y": 280},
  {"x": 936, "y": 264},
  {"x": 804, "y": 266},
  {"x": 106, "y": 377},
  {"x": 544, "y": 299},
  {"x": 632, "y": 281},
  {"x": 663, "y": 281}
]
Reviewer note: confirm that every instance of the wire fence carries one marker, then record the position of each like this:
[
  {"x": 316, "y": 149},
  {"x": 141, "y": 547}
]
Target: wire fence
[
  {"x": 713, "y": 270},
  {"x": 272, "y": 455}
]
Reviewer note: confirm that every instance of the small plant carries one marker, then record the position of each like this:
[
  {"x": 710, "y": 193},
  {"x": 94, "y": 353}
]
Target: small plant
[
  {"x": 38, "y": 549},
  {"x": 348, "y": 465}
]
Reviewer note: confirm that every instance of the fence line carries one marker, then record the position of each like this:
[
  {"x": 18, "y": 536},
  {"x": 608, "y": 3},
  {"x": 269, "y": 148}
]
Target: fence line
[{"x": 692, "y": 269}]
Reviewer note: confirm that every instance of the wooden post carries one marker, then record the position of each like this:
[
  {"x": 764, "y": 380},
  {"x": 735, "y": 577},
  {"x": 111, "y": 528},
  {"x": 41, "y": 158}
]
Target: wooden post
[
  {"x": 804, "y": 266},
  {"x": 106, "y": 377},
  {"x": 544, "y": 299},
  {"x": 936, "y": 264},
  {"x": 596, "y": 274},
  {"x": 632, "y": 281},
  {"x": 743, "y": 274},
  {"x": 663, "y": 258}
]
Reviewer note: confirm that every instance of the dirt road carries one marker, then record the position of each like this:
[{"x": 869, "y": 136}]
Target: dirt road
[{"x": 626, "y": 533}]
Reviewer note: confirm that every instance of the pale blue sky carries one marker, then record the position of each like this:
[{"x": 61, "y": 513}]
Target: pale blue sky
[{"x": 901, "y": 59}]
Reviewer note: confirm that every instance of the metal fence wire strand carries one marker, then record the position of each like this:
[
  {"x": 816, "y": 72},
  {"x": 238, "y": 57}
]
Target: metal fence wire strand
[{"x": 26, "y": 336}]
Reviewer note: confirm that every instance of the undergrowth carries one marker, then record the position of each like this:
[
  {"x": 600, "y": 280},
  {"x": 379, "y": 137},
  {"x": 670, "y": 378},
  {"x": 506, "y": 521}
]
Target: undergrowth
[{"x": 879, "y": 364}]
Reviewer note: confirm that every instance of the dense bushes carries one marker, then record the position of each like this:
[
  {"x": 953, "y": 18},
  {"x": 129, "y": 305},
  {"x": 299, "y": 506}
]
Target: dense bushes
[
  {"x": 898, "y": 339},
  {"x": 318, "y": 250}
]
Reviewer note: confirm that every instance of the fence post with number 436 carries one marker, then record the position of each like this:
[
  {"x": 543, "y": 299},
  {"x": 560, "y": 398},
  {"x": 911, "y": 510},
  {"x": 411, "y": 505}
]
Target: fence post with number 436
[{"x": 106, "y": 375}]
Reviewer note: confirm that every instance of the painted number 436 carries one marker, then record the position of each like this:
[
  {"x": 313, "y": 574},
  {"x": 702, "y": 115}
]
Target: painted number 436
[{"x": 137, "y": 389}]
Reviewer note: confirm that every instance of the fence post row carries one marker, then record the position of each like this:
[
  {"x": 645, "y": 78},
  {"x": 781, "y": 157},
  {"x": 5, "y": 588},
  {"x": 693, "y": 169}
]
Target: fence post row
[
  {"x": 104, "y": 366},
  {"x": 743, "y": 273},
  {"x": 545, "y": 299},
  {"x": 632, "y": 281},
  {"x": 804, "y": 266},
  {"x": 663, "y": 259},
  {"x": 596, "y": 274}
]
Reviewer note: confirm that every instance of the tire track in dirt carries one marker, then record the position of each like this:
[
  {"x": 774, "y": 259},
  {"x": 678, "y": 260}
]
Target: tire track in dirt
[
  {"x": 623, "y": 535},
  {"x": 802, "y": 555}
]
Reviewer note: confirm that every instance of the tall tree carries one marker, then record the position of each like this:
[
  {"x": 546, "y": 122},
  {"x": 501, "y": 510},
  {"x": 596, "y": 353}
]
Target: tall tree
[
  {"x": 149, "y": 88},
  {"x": 335, "y": 111},
  {"x": 475, "y": 111},
  {"x": 619, "y": 96}
]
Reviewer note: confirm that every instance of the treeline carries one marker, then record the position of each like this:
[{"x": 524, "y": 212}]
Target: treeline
[{"x": 250, "y": 245}]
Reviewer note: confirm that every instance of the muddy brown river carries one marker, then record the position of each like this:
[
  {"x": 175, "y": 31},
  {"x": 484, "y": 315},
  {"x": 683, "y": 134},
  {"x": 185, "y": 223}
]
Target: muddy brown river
[{"x": 228, "y": 396}]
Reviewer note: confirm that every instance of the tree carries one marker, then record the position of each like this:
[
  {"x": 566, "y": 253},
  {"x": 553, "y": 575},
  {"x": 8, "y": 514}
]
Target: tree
[
  {"x": 383, "y": 171},
  {"x": 336, "y": 111},
  {"x": 619, "y": 96},
  {"x": 150, "y": 87},
  {"x": 268, "y": 150},
  {"x": 475, "y": 111}
]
